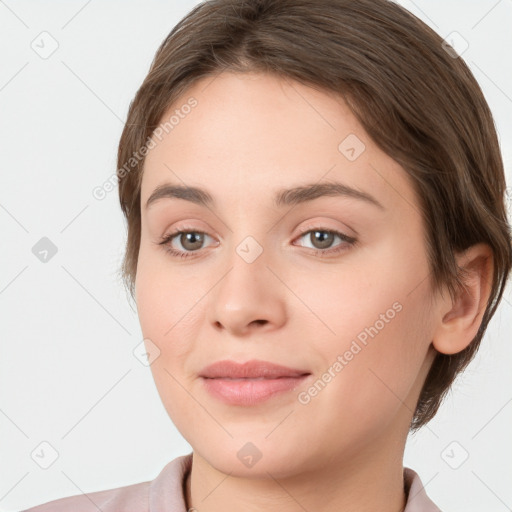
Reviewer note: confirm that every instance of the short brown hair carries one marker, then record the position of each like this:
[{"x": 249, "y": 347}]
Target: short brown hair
[{"x": 417, "y": 100}]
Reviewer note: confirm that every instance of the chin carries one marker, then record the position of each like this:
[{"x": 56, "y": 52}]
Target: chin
[{"x": 253, "y": 459}]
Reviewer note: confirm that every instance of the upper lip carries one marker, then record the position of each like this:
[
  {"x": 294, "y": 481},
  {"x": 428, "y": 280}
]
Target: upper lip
[{"x": 249, "y": 370}]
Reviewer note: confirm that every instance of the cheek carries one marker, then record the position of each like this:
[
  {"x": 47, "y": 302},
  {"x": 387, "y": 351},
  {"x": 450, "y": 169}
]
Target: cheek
[
  {"x": 168, "y": 318},
  {"x": 168, "y": 307},
  {"x": 379, "y": 328},
  {"x": 162, "y": 296},
  {"x": 373, "y": 389},
  {"x": 385, "y": 358}
]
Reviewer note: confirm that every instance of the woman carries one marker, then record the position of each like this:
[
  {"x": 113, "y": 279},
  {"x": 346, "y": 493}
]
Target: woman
[{"x": 317, "y": 240}]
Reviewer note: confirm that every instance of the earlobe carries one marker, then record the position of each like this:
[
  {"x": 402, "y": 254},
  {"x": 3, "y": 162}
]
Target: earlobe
[{"x": 459, "y": 321}]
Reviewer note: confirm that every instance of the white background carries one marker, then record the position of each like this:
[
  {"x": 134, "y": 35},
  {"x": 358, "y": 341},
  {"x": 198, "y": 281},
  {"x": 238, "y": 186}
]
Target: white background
[{"x": 68, "y": 375}]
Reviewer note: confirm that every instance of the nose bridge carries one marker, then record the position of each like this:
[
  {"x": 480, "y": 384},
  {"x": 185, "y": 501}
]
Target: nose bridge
[
  {"x": 248, "y": 293},
  {"x": 248, "y": 273},
  {"x": 250, "y": 250},
  {"x": 250, "y": 234}
]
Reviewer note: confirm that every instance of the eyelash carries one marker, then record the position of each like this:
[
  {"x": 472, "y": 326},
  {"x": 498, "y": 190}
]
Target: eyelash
[{"x": 167, "y": 239}]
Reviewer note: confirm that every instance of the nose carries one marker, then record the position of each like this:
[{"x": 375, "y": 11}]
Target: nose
[{"x": 248, "y": 297}]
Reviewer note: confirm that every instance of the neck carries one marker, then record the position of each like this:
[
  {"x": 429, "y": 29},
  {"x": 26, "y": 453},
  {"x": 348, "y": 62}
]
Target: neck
[{"x": 370, "y": 480}]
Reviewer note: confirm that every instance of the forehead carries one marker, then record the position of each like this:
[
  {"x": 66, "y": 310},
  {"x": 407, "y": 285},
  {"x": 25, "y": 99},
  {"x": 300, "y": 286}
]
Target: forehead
[{"x": 260, "y": 133}]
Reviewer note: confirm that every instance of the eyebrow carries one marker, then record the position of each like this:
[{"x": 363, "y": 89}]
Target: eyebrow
[{"x": 283, "y": 197}]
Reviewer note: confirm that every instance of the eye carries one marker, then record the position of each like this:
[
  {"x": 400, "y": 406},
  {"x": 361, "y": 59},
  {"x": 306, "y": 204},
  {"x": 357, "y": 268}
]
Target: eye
[
  {"x": 190, "y": 240},
  {"x": 322, "y": 239}
]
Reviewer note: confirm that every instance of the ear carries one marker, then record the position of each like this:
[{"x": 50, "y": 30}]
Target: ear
[{"x": 460, "y": 320}]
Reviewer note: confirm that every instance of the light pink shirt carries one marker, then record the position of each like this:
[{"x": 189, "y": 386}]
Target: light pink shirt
[{"x": 165, "y": 494}]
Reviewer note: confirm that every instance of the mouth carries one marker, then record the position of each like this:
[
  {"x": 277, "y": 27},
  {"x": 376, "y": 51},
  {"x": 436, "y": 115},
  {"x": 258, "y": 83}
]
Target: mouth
[{"x": 250, "y": 383}]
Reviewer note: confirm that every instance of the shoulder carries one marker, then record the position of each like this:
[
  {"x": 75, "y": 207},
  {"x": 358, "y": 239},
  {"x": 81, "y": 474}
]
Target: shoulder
[
  {"x": 136, "y": 495},
  {"x": 417, "y": 499},
  {"x": 140, "y": 497}
]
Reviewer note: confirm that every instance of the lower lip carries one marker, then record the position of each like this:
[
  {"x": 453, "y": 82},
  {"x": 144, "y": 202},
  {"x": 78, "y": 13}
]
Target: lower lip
[{"x": 250, "y": 391}]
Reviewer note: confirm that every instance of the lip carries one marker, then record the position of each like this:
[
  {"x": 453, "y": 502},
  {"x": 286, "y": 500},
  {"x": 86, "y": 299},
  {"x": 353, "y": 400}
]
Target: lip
[
  {"x": 249, "y": 370},
  {"x": 251, "y": 382}
]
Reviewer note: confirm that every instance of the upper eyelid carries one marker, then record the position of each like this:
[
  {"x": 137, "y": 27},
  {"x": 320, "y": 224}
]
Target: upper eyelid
[
  {"x": 302, "y": 231},
  {"x": 311, "y": 225}
]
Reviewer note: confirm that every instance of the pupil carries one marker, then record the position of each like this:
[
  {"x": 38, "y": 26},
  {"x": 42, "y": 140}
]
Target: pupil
[
  {"x": 192, "y": 238},
  {"x": 324, "y": 238}
]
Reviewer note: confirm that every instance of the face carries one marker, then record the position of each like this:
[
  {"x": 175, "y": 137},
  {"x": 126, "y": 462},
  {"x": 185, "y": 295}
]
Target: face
[{"x": 329, "y": 283}]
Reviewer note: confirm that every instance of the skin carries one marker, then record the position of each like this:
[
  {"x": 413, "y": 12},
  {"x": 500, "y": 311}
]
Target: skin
[{"x": 249, "y": 135}]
